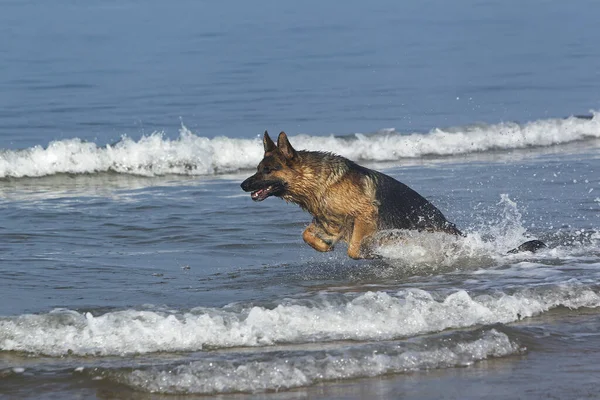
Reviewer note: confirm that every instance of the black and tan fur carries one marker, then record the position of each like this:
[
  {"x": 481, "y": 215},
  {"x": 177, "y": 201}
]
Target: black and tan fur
[{"x": 348, "y": 202}]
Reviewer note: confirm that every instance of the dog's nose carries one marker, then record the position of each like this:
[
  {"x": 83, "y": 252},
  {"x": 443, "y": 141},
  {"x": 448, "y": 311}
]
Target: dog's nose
[{"x": 244, "y": 185}]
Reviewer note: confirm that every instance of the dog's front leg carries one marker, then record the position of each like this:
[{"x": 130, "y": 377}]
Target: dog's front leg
[
  {"x": 362, "y": 230},
  {"x": 317, "y": 238}
]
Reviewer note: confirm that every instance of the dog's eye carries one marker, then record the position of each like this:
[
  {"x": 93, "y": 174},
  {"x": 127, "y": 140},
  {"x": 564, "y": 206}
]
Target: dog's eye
[{"x": 268, "y": 170}]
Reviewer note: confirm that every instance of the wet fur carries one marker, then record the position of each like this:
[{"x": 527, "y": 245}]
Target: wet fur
[{"x": 348, "y": 202}]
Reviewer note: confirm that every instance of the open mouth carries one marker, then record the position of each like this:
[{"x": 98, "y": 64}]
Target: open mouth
[{"x": 261, "y": 194}]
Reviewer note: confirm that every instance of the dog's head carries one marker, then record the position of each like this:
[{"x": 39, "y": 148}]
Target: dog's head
[{"x": 274, "y": 172}]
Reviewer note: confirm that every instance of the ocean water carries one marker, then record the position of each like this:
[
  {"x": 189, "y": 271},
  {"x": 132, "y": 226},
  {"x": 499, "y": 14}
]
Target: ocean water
[{"x": 133, "y": 266}]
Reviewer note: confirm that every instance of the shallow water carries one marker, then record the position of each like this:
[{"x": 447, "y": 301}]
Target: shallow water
[{"x": 135, "y": 267}]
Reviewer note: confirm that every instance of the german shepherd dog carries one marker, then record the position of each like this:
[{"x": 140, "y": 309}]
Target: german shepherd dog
[{"x": 348, "y": 202}]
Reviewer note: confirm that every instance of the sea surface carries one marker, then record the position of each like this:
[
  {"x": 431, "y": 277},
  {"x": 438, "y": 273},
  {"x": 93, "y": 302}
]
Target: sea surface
[{"x": 133, "y": 266}]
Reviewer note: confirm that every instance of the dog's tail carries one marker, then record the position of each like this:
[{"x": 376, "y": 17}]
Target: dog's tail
[{"x": 531, "y": 246}]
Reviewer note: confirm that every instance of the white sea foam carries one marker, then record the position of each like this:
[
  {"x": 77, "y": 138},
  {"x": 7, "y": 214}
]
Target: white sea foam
[
  {"x": 151, "y": 155},
  {"x": 190, "y": 154},
  {"x": 491, "y": 241},
  {"x": 285, "y": 371},
  {"x": 368, "y": 316}
]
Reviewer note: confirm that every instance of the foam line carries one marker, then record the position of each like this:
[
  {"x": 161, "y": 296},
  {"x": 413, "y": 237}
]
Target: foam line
[
  {"x": 190, "y": 154},
  {"x": 368, "y": 316}
]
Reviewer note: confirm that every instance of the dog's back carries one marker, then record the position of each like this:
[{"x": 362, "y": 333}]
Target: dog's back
[{"x": 400, "y": 207}]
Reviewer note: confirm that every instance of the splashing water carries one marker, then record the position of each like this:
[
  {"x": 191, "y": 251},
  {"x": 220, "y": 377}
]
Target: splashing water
[{"x": 491, "y": 242}]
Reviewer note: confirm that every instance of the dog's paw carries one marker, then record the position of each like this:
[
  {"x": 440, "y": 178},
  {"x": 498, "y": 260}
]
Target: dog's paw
[{"x": 367, "y": 252}]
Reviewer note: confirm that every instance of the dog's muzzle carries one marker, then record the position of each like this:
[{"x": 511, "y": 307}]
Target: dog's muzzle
[{"x": 260, "y": 189}]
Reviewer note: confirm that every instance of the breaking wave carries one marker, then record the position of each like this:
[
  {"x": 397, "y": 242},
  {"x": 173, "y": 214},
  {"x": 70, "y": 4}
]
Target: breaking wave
[
  {"x": 325, "y": 318},
  {"x": 290, "y": 369},
  {"x": 190, "y": 154}
]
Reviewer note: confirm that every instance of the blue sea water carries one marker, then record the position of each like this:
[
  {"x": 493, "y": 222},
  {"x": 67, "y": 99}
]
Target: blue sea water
[{"x": 132, "y": 265}]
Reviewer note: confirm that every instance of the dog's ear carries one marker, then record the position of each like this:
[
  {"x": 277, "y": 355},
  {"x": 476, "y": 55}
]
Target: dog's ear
[
  {"x": 285, "y": 147},
  {"x": 268, "y": 143}
]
